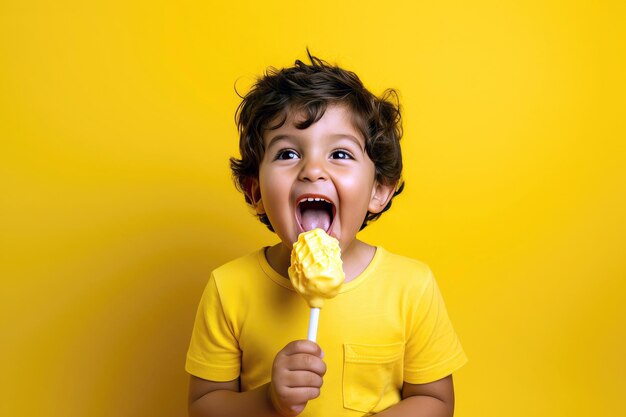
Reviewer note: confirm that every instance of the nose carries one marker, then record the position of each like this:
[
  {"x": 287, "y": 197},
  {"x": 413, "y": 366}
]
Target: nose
[{"x": 313, "y": 169}]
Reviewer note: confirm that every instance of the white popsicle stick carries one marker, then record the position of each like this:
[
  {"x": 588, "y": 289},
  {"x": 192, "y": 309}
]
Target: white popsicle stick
[{"x": 314, "y": 319}]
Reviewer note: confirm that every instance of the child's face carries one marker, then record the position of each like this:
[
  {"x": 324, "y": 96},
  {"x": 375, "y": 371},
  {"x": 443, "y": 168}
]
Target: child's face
[{"x": 326, "y": 162}]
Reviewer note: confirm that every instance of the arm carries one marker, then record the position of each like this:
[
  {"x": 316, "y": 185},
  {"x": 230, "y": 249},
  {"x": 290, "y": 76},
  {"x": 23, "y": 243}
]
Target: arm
[
  {"x": 210, "y": 398},
  {"x": 435, "y": 399},
  {"x": 296, "y": 378}
]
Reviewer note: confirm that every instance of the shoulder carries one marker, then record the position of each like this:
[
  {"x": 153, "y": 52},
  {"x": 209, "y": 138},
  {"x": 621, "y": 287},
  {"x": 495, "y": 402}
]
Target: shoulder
[
  {"x": 240, "y": 265},
  {"x": 406, "y": 275},
  {"x": 402, "y": 265},
  {"x": 239, "y": 272}
]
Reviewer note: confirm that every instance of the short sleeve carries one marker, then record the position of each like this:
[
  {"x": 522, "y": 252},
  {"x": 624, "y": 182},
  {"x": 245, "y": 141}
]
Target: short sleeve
[
  {"x": 433, "y": 350},
  {"x": 214, "y": 352}
]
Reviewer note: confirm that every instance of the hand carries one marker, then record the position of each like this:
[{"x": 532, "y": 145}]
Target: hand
[{"x": 296, "y": 377}]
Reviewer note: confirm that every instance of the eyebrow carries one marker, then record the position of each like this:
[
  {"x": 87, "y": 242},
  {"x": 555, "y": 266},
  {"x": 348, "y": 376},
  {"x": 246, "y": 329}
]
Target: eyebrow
[
  {"x": 351, "y": 138},
  {"x": 276, "y": 139}
]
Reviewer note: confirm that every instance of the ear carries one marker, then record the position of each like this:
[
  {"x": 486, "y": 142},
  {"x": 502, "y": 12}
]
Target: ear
[
  {"x": 253, "y": 193},
  {"x": 381, "y": 195}
]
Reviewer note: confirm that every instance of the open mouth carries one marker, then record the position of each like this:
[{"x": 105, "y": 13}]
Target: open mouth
[{"x": 315, "y": 212}]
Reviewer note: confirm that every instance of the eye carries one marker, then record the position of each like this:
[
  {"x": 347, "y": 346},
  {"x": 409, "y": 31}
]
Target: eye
[
  {"x": 284, "y": 154},
  {"x": 341, "y": 154}
]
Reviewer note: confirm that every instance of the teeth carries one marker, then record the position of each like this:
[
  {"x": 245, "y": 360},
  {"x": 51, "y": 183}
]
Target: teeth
[{"x": 311, "y": 199}]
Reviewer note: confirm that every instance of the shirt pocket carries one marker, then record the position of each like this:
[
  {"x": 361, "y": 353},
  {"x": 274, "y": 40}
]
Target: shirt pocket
[{"x": 372, "y": 376}]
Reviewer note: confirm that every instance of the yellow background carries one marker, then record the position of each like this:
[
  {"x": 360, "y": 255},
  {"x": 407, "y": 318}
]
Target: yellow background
[{"x": 116, "y": 125}]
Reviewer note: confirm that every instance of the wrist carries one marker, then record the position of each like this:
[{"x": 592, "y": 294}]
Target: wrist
[{"x": 278, "y": 408}]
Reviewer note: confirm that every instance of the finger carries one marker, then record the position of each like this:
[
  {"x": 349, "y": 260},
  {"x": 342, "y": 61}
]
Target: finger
[
  {"x": 305, "y": 362},
  {"x": 303, "y": 346},
  {"x": 283, "y": 402},
  {"x": 297, "y": 395},
  {"x": 299, "y": 379},
  {"x": 304, "y": 394}
]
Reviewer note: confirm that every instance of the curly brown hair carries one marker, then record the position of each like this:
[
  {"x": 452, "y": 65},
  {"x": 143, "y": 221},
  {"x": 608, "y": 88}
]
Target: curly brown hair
[{"x": 310, "y": 88}]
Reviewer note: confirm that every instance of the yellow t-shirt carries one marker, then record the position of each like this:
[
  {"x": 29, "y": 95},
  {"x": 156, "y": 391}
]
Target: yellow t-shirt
[{"x": 386, "y": 326}]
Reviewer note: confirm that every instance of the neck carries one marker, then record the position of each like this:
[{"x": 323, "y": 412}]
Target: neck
[
  {"x": 279, "y": 258},
  {"x": 355, "y": 258}
]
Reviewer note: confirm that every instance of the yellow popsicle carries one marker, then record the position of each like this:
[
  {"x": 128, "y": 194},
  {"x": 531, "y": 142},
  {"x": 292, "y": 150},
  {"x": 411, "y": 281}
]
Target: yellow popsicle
[{"x": 316, "y": 268}]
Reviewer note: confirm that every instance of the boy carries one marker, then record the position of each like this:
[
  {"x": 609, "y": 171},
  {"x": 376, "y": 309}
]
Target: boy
[{"x": 319, "y": 150}]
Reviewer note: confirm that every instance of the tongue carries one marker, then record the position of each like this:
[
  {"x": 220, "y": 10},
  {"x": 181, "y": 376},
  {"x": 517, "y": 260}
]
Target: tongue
[{"x": 315, "y": 218}]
